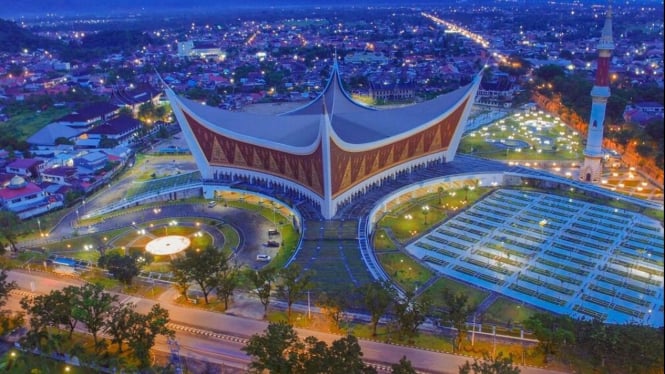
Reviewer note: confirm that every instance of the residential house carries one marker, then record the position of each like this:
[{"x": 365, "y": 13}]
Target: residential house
[
  {"x": 27, "y": 199},
  {"x": 91, "y": 162},
  {"x": 25, "y": 167}
]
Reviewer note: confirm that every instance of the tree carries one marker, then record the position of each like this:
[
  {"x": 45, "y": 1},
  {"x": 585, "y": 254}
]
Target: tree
[
  {"x": 144, "y": 332},
  {"x": 293, "y": 285},
  {"x": 552, "y": 331},
  {"x": 346, "y": 357},
  {"x": 279, "y": 350},
  {"x": 120, "y": 325},
  {"x": 262, "y": 281},
  {"x": 490, "y": 365},
  {"x": 410, "y": 314},
  {"x": 106, "y": 142},
  {"x": 53, "y": 309},
  {"x": 315, "y": 357},
  {"x": 5, "y": 287},
  {"x": 227, "y": 280},
  {"x": 549, "y": 72},
  {"x": 457, "y": 314},
  {"x": 181, "y": 275},
  {"x": 377, "y": 298},
  {"x": 276, "y": 350},
  {"x": 597, "y": 338},
  {"x": 200, "y": 267},
  {"x": 93, "y": 307},
  {"x": 403, "y": 367},
  {"x": 122, "y": 267},
  {"x": 333, "y": 306},
  {"x": 9, "y": 222}
]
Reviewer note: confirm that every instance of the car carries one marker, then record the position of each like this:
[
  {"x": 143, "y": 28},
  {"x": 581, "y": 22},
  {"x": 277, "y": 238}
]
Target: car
[
  {"x": 273, "y": 232},
  {"x": 272, "y": 243},
  {"x": 212, "y": 204},
  {"x": 262, "y": 257}
]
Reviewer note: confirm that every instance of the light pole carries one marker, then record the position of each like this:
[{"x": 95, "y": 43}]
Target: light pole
[
  {"x": 172, "y": 223},
  {"x": 542, "y": 224},
  {"x": 39, "y": 224},
  {"x": 425, "y": 212}
]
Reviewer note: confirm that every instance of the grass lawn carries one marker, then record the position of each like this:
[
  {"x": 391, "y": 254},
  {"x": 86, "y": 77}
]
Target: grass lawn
[
  {"x": 25, "y": 123},
  {"x": 404, "y": 270},
  {"x": 560, "y": 141},
  {"x": 96, "y": 276},
  {"x": 436, "y": 290},
  {"x": 231, "y": 237},
  {"x": 407, "y": 220},
  {"x": 382, "y": 242},
  {"x": 24, "y": 362},
  {"x": 77, "y": 243},
  {"x": 505, "y": 311}
]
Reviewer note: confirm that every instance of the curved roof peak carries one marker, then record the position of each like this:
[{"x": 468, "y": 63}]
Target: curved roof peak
[{"x": 334, "y": 97}]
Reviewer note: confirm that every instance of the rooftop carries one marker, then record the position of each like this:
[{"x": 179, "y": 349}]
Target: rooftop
[{"x": 351, "y": 122}]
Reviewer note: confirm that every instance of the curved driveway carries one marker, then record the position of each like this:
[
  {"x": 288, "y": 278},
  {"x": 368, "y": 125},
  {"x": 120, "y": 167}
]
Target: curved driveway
[{"x": 251, "y": 227}]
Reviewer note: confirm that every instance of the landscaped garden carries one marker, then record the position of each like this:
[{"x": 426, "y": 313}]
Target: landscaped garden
[{"x": 524, "y": 136}]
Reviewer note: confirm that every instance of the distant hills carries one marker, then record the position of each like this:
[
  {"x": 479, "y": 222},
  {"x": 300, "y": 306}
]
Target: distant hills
[{"x": 14, "y": 38}]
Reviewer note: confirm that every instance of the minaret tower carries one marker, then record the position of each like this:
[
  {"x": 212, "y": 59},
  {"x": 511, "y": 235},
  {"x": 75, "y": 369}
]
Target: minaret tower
[{"x": 593, "y": 153}]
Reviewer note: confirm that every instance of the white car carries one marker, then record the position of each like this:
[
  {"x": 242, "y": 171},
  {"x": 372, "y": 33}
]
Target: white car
[{"x": 263, "y": 258}]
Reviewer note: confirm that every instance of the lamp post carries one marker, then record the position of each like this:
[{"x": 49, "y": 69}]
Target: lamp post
[
  {"x": 542, "y": 224},
  {"x": 425, "y": 212},
  {"x": 172, "y": 223},
  {"x": 39, "y": 224}
]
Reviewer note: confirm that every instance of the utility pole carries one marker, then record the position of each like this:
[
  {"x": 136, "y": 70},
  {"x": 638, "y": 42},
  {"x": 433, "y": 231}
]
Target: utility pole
[
  {"x": 473, "y": 330},
  {"x": 494, "y": 341},
  {"x": 309, "y": 308}
]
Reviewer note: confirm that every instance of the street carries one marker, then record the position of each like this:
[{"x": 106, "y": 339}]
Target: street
[{"x": 228, "y": 352}]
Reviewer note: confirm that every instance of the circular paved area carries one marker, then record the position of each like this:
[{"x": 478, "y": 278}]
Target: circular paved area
[{"x": 167, "y": 245}]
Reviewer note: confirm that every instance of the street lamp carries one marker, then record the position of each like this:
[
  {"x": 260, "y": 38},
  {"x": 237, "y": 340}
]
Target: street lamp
[
  {"x": 39, "y": 224},
  {"x": 542, "y": 224},
  {"x": 425, "y": 212},
  {"x": 172, "y": 223}
]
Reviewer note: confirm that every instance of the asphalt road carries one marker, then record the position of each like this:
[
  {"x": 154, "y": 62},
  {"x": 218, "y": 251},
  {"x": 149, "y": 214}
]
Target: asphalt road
[{"x": 197, "y": 345}]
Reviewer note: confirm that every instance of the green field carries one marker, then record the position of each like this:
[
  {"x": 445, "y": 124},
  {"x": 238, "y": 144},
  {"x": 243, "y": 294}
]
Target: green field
[
  {"x": 408, "y": 273},
  {"x": 26, "y": 122},
  {"x": 555, "y": 142},
  {"x": 435, "y": 292}
]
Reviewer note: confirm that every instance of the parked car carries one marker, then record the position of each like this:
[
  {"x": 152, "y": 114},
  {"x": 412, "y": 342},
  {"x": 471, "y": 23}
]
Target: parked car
[
  {"x": 263, "y": 258},
  {"x": 212, "y": 204},
  {"x": 273, "y": 232},
  {"x": 272, "y": 243}
]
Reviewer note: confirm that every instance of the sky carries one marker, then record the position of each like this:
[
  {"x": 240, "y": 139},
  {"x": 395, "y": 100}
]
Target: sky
[
  {"x": 12, "y": 8},
  {"x": 16, "y": 8}
]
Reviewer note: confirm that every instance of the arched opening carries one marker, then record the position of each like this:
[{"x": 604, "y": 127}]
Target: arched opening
[{"x": 588, "y": 177}]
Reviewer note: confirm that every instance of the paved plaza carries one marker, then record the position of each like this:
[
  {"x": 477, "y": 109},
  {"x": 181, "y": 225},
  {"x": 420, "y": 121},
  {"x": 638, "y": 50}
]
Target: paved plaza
[{"x": 559, "y": 254}]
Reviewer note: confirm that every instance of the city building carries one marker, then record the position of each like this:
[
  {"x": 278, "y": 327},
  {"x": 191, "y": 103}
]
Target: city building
[{"x": 331, "y": 150}]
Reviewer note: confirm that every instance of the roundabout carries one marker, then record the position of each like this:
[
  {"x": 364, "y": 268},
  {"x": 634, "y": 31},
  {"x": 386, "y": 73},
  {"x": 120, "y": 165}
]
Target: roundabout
[{"x": 168, "y": 245}]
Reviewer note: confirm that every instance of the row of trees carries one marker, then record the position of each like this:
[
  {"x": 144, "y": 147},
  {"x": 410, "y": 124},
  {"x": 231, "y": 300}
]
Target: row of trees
[
  {"x": 628, "y": 348},
  {"x": 213, "y": 272},
  {"x": 55, "y": 316},
  {"x": 279, "y": 350}
]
